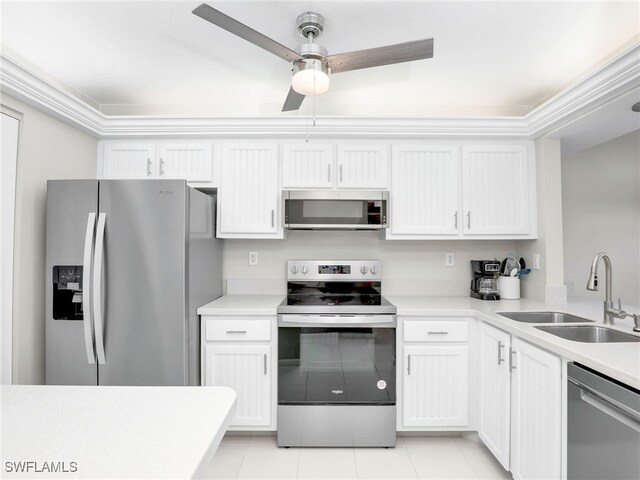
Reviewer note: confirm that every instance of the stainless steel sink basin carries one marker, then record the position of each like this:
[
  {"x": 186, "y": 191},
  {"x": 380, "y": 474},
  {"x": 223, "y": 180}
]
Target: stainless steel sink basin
[
  {"x": 543, "y": 317},
  {"x": 589, "y": 334}
]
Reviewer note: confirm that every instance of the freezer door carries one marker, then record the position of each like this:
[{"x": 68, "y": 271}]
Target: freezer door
[
  {"x": 69, "y": 355},
  {"x": 143, "y": 282}
]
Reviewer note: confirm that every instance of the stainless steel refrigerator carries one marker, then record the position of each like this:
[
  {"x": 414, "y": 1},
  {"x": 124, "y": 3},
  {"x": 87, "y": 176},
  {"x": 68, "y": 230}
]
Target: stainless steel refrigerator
[{"x": 128, "y": 262}]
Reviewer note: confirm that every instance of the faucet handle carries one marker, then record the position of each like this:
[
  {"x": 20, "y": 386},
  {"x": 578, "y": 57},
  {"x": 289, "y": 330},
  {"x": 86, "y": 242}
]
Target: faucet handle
[{"x": 620, "y": 304}]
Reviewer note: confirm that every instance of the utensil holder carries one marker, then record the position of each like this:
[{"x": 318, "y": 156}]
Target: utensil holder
[{"x": 509, "y": 288}]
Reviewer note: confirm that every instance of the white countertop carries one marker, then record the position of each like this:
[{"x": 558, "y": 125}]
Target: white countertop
[
  {"x": 618, "y": 360},
  {"x": 112, "y": 432},
  {"x": 242, "y": 305}
]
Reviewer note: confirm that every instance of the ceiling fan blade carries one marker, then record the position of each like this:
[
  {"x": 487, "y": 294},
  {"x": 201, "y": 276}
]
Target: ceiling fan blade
[
  {"x": 231, "y": 25},
  {"x": 293, "y": 101},
  {"x": 375, "y": 57}
]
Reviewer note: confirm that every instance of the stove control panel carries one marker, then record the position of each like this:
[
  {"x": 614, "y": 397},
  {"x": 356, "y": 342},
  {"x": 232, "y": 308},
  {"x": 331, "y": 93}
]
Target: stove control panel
[{"x": 334, "y": 270}]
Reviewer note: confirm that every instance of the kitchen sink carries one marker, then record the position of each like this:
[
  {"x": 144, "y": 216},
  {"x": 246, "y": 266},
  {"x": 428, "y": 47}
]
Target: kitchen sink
[
  {"x": 543, "y": 317},
  {"x": 589, "y": 334}
]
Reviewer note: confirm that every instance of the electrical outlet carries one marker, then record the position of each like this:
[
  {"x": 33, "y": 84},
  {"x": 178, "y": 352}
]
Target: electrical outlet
[
  {"x": 450, "y": 260},
  {"x": 536, "y": 261},
  {"x": 253, "y": 258}
]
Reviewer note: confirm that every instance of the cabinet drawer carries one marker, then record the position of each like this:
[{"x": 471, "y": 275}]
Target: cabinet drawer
[
  {"x": 237, "y": 330},
  {"x": 435, "y": 331}
]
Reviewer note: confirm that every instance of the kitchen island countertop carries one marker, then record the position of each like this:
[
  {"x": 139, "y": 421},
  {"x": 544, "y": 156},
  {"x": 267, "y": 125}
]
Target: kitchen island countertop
[{"x": 111, "y": 432}]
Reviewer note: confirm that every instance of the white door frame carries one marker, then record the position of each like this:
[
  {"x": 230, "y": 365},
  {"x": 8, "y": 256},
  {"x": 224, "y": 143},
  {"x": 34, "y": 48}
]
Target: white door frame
[{"x": 9, "y": 140}]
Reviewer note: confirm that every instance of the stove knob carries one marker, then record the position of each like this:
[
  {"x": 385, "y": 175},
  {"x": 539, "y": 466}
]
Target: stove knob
[
  {"x": 374, "y": 270},
  {"x": 294, "y": 269},
  {"x": 305, "y": 270},
  {"x": 364, "y": 269}
]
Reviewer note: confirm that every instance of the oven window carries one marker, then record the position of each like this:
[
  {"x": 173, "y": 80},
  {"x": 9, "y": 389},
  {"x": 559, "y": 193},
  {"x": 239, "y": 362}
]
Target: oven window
[{"x": 336, "y": 366}]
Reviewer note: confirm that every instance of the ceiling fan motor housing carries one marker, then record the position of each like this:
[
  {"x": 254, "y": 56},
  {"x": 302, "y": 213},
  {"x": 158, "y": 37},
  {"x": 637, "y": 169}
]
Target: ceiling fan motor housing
[{"x": 310, "y": 23}]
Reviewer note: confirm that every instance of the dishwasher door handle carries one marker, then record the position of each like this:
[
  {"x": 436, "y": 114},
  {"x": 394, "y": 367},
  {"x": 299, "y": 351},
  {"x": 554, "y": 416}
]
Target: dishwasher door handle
[{"x": 611, "y": 410}]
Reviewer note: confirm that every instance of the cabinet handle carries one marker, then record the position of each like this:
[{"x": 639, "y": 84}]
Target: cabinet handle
[
  {"x": 408, "y": 364},
  {"x": 148, "y": 167},
  {"x": 500, "y": 347},
  {"x": 329, "y": 173},
  {"x": 236, "y": 331},
  {"x": 265, "y": 363},
  {"x": 437, "y": 333},
  {"x": 273, "y": 218},
  {"x": 512, "y": 367},
  {"x": 161, "y": 166},
  {"x": 455, "y": 220},
  {"x": 340, "y": 173},
  {"x": 469, "y": 219}
]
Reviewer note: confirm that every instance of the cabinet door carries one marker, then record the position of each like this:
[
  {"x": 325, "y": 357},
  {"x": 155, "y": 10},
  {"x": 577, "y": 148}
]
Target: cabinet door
[
  {"x": 129, "y": 160},
  {"x": 244, "y": 368},
  {"x": 191, "y": 161},
  {"x": 535, "y": 413},
  {"x": 249, "y": 195},
  {"x": 495, "y": 190},
  {"x": 495, "y": 391},
  {"x": 307, "y": 166},
  {"x": 425, "y": 190},
  {"x": 435, "y": 386},
  {"x": 363, "y": 166}
]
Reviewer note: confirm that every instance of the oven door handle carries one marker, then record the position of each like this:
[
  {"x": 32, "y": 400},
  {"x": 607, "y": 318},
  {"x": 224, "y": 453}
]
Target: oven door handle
[{"x": 360, "y": 320}]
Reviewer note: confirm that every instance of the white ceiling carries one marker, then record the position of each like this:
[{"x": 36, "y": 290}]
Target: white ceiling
[{"x": 155, "y": 57}]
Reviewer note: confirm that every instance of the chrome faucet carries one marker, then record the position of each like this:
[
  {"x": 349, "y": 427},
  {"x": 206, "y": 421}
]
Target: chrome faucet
[{"x": 610, "y": 313}]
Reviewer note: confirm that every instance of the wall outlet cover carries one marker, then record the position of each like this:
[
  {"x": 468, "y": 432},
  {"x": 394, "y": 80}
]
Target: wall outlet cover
[
  {"x": 253, "y": 258},
  {"x": 536, "y": 261},
  {"x": 450, "y": 260}
]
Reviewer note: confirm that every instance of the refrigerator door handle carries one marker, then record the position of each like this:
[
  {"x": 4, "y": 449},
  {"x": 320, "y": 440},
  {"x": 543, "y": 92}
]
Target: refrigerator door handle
[
  {"x": 97, "y": 287},
  {"x": 86, "y": 287}
]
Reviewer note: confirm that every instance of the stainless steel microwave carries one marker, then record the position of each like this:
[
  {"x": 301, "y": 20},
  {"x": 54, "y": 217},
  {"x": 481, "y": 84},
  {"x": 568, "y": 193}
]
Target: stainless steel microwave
[{"x": 335, "y": 209}]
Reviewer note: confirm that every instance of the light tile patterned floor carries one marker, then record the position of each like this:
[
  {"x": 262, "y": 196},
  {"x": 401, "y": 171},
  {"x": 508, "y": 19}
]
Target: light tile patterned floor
[{"x": 430, "y": 457}]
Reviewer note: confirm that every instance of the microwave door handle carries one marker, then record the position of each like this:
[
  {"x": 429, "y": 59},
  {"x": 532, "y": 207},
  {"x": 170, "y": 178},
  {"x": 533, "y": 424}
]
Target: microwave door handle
[
  {"x": 97, "y": 287},
  {"x": 86, "y": 288}
]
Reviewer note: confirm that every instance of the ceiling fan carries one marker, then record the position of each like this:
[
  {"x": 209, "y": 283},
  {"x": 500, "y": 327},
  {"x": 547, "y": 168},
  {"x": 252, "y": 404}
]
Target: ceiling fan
[{"x": 311, "y": 64}]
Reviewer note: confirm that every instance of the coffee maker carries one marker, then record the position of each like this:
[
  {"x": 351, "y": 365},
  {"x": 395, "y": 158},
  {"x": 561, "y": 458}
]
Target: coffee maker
[{"x": 484, "y": 279}]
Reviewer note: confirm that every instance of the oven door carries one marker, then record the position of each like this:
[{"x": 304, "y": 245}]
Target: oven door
[
  {"x": 334, "y": 360},
  {"x": 343, "y": 210}
]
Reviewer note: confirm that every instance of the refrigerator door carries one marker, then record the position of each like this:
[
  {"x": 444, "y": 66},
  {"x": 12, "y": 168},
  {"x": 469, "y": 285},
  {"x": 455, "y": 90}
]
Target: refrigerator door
[
  {"x": 143, "y": 282},
  {"x": 70, "y": 355}
]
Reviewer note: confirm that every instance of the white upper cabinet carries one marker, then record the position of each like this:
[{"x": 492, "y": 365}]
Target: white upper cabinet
[
  {"x": 363, "y": 166},
  {"x": 425, "y": 190},
  {"x": 129, "y": 160},
  {"x": 191, "y": 161},
  {"x": 317, "y": 166},
  {"x": 249, "y": 194},
  {"x": 495, "y": 187},
  {"x": 307, "y": 166}
]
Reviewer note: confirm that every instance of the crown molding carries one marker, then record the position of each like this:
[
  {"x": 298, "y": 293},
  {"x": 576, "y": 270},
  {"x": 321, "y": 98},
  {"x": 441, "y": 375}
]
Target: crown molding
[{"x": 612, "y": 79}]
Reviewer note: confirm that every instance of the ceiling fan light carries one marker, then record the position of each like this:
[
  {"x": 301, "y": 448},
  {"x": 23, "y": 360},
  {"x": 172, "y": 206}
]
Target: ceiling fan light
[{"x": 311, "y": 77}]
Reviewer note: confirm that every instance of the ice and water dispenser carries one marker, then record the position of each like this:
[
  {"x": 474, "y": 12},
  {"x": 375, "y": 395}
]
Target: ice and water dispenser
[{"x": 67, "y": 292}]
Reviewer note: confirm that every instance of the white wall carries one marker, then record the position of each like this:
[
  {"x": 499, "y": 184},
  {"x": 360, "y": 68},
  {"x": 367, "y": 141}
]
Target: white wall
[
  {"x": 546, "y": 283},
  {"x": 48, "y": 149},
  {"x": 409, "y": 267},
  {"x": 601, "y": 211}
]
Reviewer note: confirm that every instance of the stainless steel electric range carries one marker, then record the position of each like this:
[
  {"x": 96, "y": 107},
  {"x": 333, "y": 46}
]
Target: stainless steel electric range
[{"x": 336, "y": 357}]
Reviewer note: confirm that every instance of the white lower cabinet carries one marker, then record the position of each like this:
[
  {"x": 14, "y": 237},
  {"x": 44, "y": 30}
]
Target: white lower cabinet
[
  {"x": 435, "y": 386},
  {"x": 520, "y": 405},
  {"x": 435, "y": 373},
  {"x": 237, "y": 353},
  {"x": 535, "y": 412}
]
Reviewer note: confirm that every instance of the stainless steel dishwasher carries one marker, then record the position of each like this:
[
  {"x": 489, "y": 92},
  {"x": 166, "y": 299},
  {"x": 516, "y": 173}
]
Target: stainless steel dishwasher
[{"x": 603, "y": 431}]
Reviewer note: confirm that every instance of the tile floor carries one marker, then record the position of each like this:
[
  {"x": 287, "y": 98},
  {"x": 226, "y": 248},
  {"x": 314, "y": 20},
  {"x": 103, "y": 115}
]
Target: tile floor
[{"x": 431, "y": 457}]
